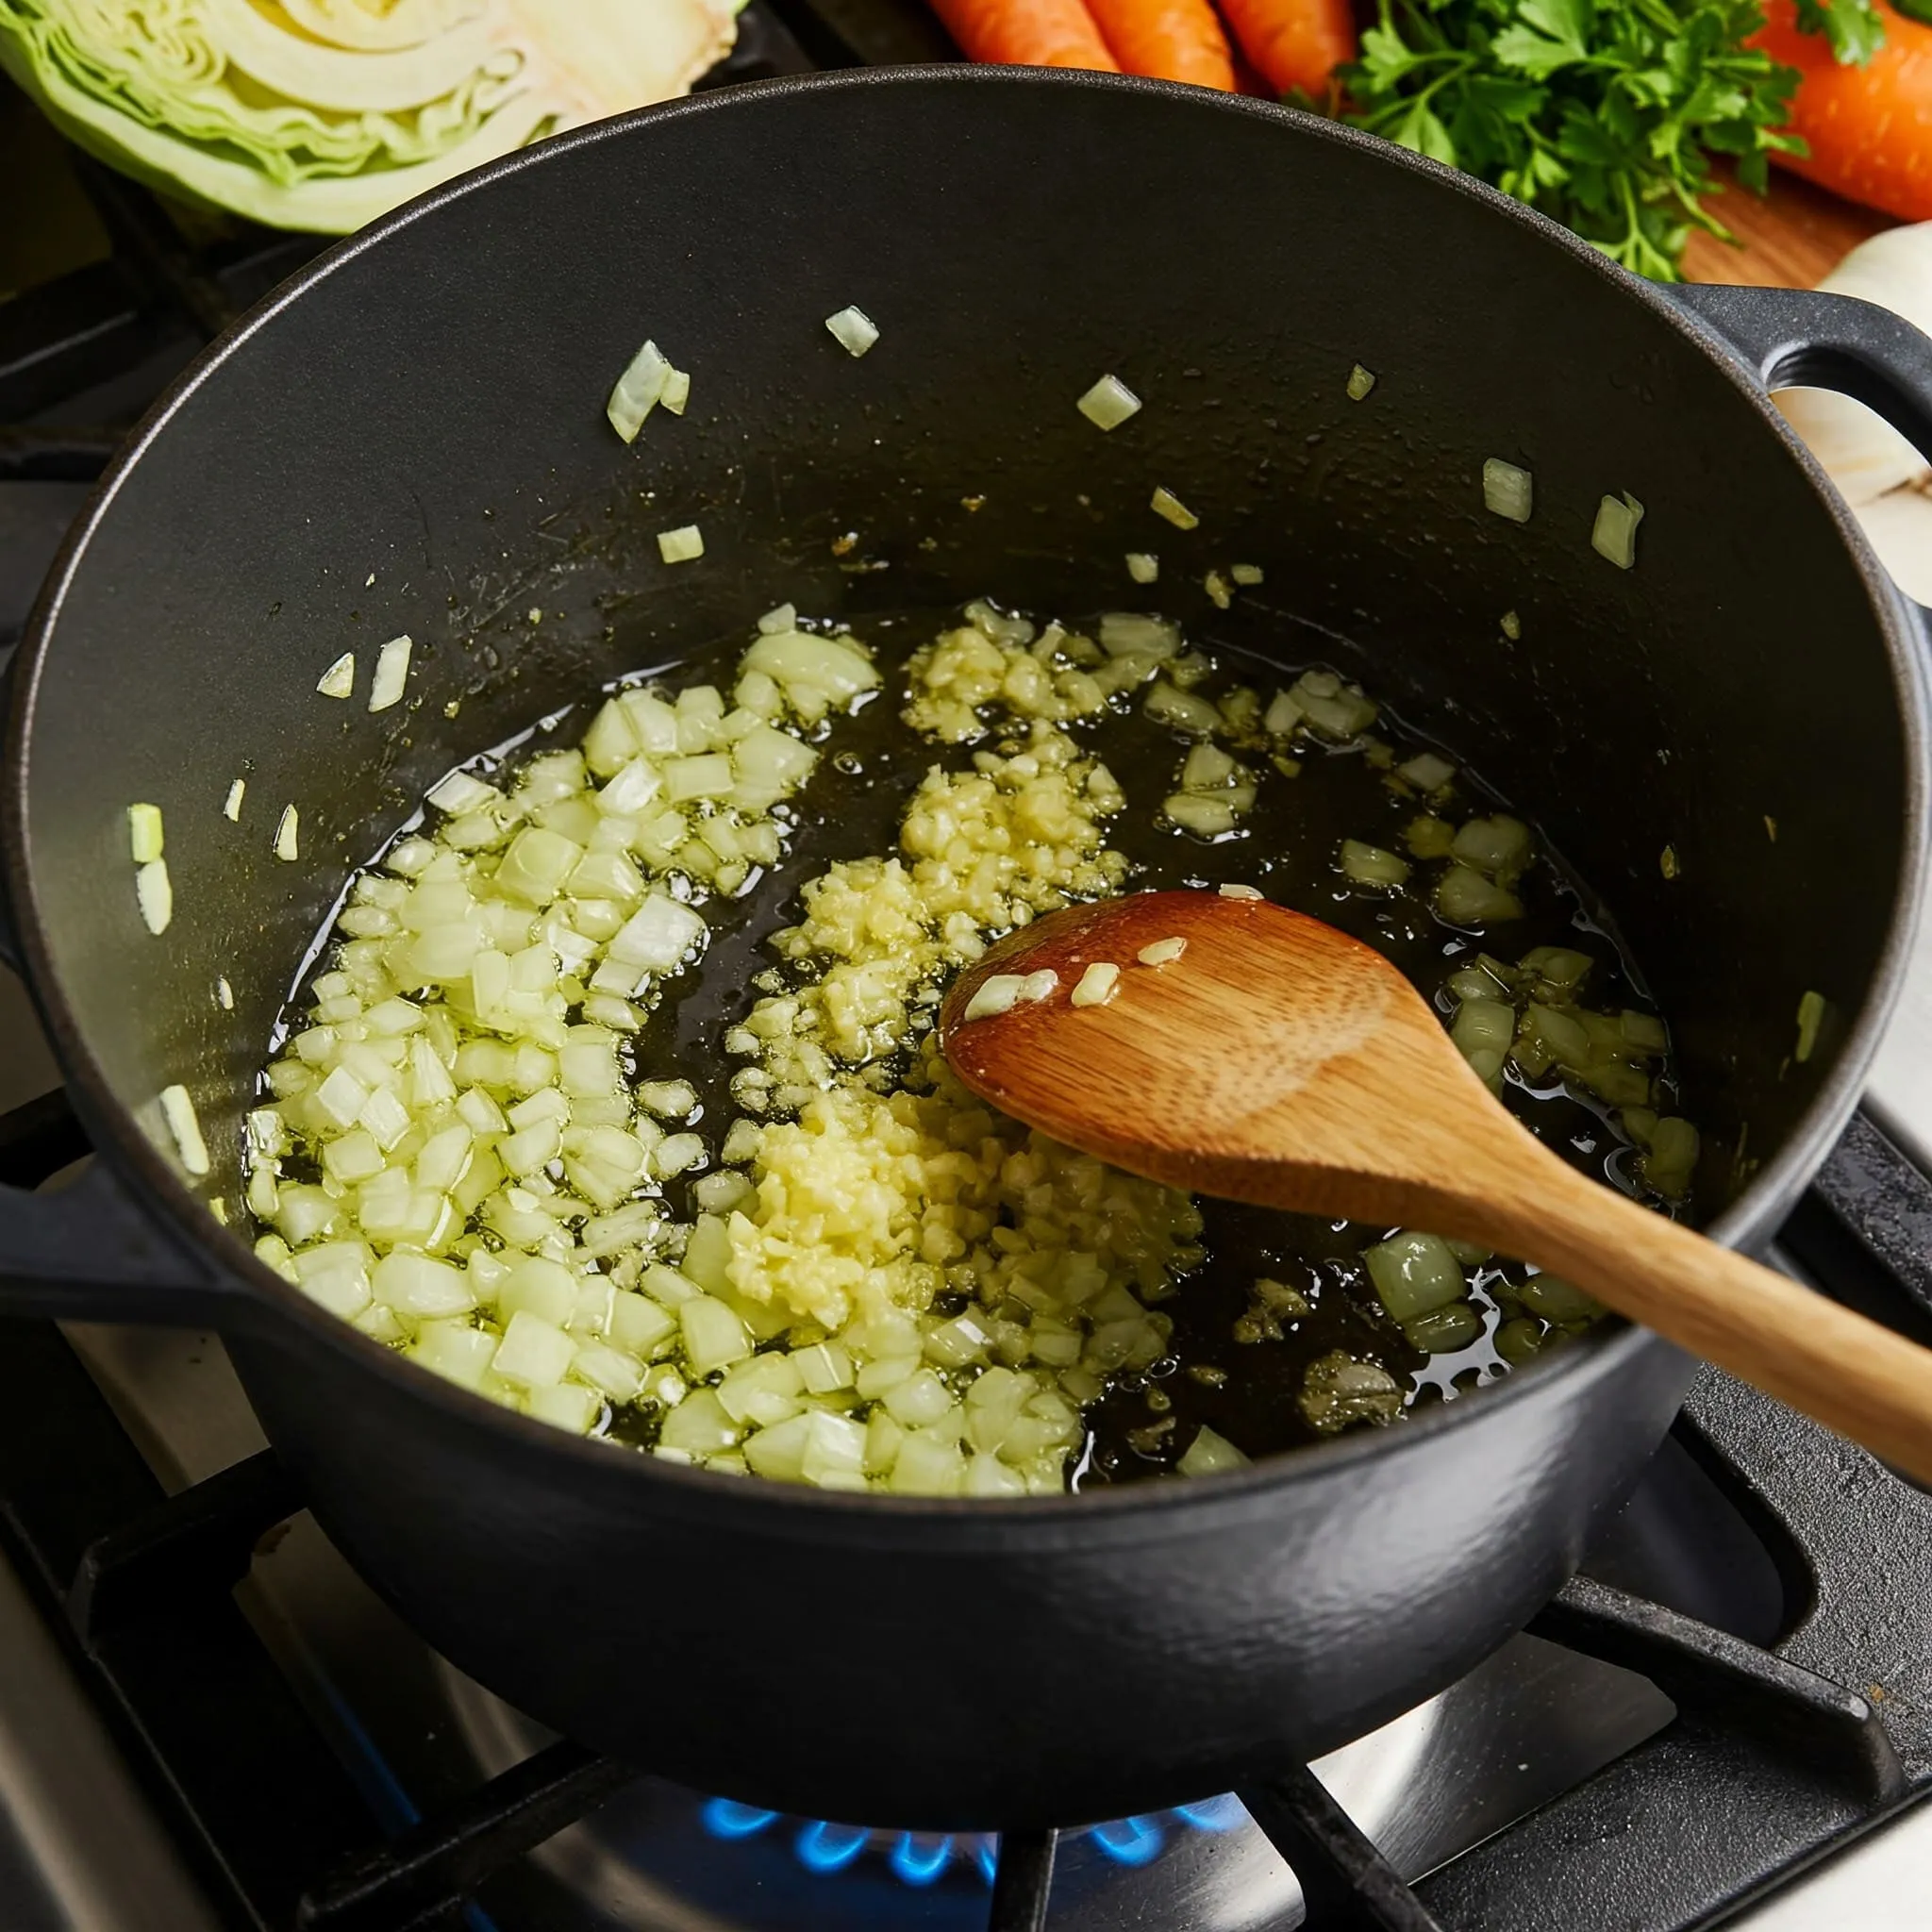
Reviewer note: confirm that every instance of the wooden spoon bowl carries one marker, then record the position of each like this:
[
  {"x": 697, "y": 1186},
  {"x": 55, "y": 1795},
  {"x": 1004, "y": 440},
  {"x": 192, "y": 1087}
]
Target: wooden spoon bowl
[{"x": 1279, "y": 1062}]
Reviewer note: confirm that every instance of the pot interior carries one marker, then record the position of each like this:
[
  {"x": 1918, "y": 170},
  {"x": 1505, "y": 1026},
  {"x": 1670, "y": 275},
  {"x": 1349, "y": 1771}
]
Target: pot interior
[{"x": 414, "y": 441}]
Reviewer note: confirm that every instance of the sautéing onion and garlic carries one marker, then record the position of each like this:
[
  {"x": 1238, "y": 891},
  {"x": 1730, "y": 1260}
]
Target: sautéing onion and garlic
[{"x": 618, "y": 1100}]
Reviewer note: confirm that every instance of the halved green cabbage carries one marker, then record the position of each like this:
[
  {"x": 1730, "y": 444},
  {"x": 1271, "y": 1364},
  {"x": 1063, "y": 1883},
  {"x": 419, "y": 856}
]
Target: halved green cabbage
[{"x": 321, "y": 114}]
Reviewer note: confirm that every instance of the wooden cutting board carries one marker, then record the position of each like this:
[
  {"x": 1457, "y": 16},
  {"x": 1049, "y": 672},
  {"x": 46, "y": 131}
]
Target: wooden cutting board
[{"x": 1792, "y": 237}]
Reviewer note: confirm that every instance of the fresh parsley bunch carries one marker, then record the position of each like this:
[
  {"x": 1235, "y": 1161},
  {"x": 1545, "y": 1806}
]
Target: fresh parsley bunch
[{"x": 1602, "y": 113}]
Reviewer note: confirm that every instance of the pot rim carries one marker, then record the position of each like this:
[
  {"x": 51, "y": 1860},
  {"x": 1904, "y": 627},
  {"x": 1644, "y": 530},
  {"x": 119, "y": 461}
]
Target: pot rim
[{"x": 1747, "y": 1221}]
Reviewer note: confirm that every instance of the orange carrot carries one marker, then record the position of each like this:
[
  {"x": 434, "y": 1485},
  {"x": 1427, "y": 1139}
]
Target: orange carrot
[
  {"x": 1293, "y": 44},
  {"x": 1026, "y": 33},
  {"x": 1868, "y": 128},
  {"x": 1172, "y": 40}
]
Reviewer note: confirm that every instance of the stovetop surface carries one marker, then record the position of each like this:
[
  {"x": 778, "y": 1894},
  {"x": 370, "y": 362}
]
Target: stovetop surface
[{"x": 1638, "y": 1761}]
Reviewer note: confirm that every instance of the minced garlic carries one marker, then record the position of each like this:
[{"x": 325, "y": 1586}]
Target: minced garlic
[
  {"x": 994, "y": 663},
  {"x": 888, "y": 1285}
]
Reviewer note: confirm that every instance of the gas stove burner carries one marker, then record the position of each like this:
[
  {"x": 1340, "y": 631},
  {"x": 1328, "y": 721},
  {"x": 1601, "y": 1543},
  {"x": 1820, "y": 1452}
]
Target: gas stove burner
[
  {"x": 660, "y": 1857},
  {"x": 920, "y": 1858}
]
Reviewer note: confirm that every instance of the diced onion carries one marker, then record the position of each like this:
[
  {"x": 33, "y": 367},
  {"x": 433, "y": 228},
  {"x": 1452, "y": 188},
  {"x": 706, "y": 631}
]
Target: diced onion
[
  {"x": 1414, "y": 1272},
  {"x": 1168, "y": 705},
  {"x": 1164, "y": 503},
  {"x": 1564, "y": 969},
  {"x": 1560, "y": 1036},
  {"x": 1143, "y": 566},
  {"x": 785, "y": 618},
  {"x": 1427, "y": 771},
  {"x": 1465, "y": 898},
  {"x": 714, "y": 1337},
  {"x": 1109, "y": 402},
  {"x": 145, "y": 832},
  {"x": 672, "y": 1100},
  {"x": 288, "y": 834},
  {"x": 1508, "y": 491},
  {"x": 1484, "y": 1026},
  {"x": 1038, "y": 986},
  {"x": 339, "y": 680},
  {"x": 1206, "y": 816},
  {"x": 1207, "y": 767},
  {"x": 1671, "y": 1156},
  {"x": 423, "y": 1288},
  {"x": 678, "y": 1153},
  {"x": 533, "y": 1352},
  {"x": 231, "y": 808},
  {"x": 999, "y": 993},
  {"x": 816, "y": 674},
  {"x": 855, "y": 331},
  {"x": 1208, "y": 1454},
  {"x": 225, "y": 996},
  {"x": 1220, "y": 591},
  {"x": 1330, "y": 708},
  {"x": 1133, "y": 634},
  {"x": 1614, "y": 533},
  {"x": 391, "y": 673},
  {"x": 1557, "y": 1300},
  {"x": 1644, "y": 1031},
  {"x": 1237, "y": 890},
  {"x": 637, "y": 391},
  {"x": 680, "y": 546},
  {"x": 1443, "y": 1331},
  {"x": 1096, "y": 985},
  {"x": 658, "y": 935},
  {"x": 1500, "y": 846},
  {"x": 459, "y": 792},
  {"x": 1810, "y": 1017},
  {"x": 568, "y": 1405},
  {"x": 1370, "y": 865},
  {"x": 1162, "y": 951},
  {"x": 1246, "y": 574},
  {"x": 177, "y": 1109},
  {"x": 156, "y": 895},
  {"x": 677, "y": 391},
  {"x": 1360, "y": 381},
  {"x": 1512, "y": 626}
]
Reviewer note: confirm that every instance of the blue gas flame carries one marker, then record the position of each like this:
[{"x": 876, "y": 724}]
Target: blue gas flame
[
  {"x": 920, "y": 1859},
  {"x": 823, "y": 1846}
]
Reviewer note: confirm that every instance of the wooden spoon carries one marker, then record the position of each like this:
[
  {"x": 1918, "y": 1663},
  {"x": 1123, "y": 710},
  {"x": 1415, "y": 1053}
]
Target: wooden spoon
[{"x": 1279, "y": 1062}]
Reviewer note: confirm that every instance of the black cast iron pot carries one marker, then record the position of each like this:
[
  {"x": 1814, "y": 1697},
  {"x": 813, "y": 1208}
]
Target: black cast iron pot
[{"x": 409, "y": 436}]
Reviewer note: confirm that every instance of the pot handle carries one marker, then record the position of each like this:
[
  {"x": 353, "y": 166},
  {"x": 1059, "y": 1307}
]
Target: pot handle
[
  {"x": 87, "y": 1253},
  {"x": 91, "y": 1252},
  {"x": 1803, "y": 339}
]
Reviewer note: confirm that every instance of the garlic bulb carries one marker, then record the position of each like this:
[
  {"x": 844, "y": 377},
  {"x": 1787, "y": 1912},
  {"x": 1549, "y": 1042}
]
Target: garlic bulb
[
  {"x": 1864, "y": 455},
  {"x": 1898, "y": 525}
]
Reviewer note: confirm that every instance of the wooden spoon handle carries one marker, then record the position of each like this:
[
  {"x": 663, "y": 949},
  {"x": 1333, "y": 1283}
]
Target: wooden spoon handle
[{"x": 1838, "y": 1367}]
